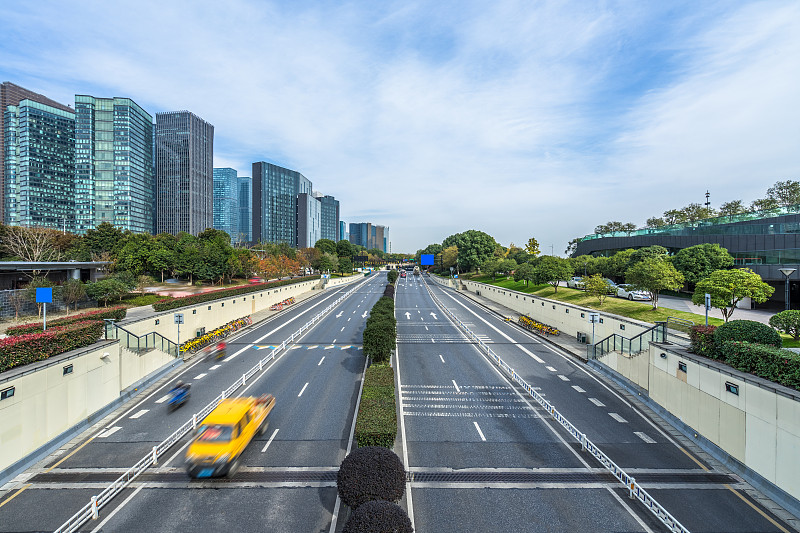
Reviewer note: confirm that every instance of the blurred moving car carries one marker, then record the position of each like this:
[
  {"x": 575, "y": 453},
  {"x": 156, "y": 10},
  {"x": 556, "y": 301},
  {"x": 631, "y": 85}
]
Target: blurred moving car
[
  {"x": 627, "y": 291},
  {"x": 575, "y": 282},
  {"x": 402, "y": 273},
  {"x": 222, "y": 437}
]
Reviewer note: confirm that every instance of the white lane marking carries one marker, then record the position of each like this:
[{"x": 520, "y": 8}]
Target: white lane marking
[
  {"x": 139, "y": 413},
  {"x": 551, "y": 369},
  {"x": 295, "y": 347},
  {"x": 329, "y": 347},
  {"x": 348, "y": 320},
  {"x": 354, "y": 312},
  {"x": 442, "y": 358},
  {"x": 164, "y": 399},
  {"x": 618, "y": 418},
  {"x": 433, "y": 341},
  {"x": 109, "y": 432},
  {"x": 644, "y": 437},
  {"x": 479, "y": 431},
  {"x": 578, "y": 388},
  {"x": 456, "y": 386},
  {"x": 630, "y": 511},
  {"x": 200, "y": 376},
  {"x": 597, "y": 402},
  {"x": 269, "y": 441},
  {"x": 303, "y": 390},
  {"x": 563, "y": 378},
  {"x": 215, "y": 367},
  {"x": 123, "y": 504},
  {"x": 341, "y": 330},
  {"x": 321, "y": 360},
  {"x": 334, "y": 341},
  {"x": 426, "y": 328}
]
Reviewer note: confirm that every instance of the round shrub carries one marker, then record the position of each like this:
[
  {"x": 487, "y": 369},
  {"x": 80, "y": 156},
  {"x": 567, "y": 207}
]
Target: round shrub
[
  {"x": 745, "y": 331},
  {"x": 378, "y": 517},
  {"x": 371, "y": 473},
  {"x": 702, "y": 338}
]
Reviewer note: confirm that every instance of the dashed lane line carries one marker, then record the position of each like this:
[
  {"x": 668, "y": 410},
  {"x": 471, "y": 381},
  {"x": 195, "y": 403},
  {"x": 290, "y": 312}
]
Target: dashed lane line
[
  {"x": 442, "y": 358},
  {"x": 479, "y": 431},
  {"x": 563, "y": 377},
  {"x": 139, "y": 413},
  {"x": 303, "y": 389},
  {"x": 577, "y": 388},
  {"x": 269, "y": 441},
  {"x": 597, "y": 402},
  {"x": 200, "y": 376},
  {"x": 618, "y": 418},
  {"x": 321, "y": 360},
  {"x": 644, "y": 437}
]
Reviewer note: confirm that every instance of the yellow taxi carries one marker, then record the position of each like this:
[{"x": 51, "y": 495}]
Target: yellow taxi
[{"x": 224, "y": 434}]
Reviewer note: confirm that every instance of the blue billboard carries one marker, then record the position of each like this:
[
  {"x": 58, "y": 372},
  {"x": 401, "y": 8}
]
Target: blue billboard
[{"x": 426, "y": 259}]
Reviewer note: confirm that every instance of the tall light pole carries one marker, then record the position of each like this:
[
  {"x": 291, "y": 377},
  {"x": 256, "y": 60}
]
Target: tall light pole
[{"x": 787, "y": 272}]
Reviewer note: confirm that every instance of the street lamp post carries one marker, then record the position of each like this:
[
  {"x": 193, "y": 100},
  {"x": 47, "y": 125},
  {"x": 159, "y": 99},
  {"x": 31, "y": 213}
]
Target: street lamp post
[{"x": 787, "y": 272}]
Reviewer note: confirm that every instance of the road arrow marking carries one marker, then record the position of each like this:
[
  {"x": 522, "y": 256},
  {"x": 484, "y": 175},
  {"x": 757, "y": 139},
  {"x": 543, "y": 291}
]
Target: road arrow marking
[
  {"x": 340, "y": 314},
  {"x": 408, "y": 315},
  {"x": 434, "y": 316},
  {"x": 364, "y": 315}
]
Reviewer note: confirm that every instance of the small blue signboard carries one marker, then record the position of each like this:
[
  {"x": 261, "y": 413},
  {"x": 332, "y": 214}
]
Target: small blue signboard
[
  {"x": 426, "y": 259},
  {"x": 44, "y": 295}
]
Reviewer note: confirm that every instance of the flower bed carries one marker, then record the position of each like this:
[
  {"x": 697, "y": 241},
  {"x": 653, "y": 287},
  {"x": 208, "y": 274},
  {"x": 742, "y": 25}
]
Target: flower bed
[
  {"x": 166, "y": 305},
  {"x": 117, "y": 313},
  {"x": 28, "y": 348}
]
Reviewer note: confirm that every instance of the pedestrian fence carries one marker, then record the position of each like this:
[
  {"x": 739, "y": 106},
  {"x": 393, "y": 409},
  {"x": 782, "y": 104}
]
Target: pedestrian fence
[
  {"x": 139, "y": 343},
  {"x": 92, "y": 509},
  {"x": 632, "y": 346},
  {"x": 635, "y": 491}
]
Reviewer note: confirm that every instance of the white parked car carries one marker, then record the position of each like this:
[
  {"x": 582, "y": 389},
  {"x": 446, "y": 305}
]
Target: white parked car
[
  {"x": 627, "y": 291},
  {"x": 575, "y": 282}
]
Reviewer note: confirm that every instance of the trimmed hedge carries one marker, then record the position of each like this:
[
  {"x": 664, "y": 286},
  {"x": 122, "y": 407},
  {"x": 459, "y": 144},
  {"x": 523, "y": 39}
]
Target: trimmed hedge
[
  {"x": 117, "y": 313},
  {"x": 378, "y": 517},
  {"x": 779, "y": 366},
  {"x": 24, "y": 349},
  {"x": 702, "y": 338},
  {"x": 389, "y": 291},
  {"x": 745, "y": 331},
  {"x": 166, "y": 305},
  {"x": 376, "y": 420},
  {"x": 380, "y": 332},
  {"x": 370, "y": 473},
  {"x": 392, "y": 276}
]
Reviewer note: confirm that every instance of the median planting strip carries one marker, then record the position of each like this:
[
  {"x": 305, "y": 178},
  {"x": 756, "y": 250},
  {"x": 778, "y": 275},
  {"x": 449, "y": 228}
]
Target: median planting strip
[
  {"x": 92, "y": 509},
  {"x": 635, "y": 491}
]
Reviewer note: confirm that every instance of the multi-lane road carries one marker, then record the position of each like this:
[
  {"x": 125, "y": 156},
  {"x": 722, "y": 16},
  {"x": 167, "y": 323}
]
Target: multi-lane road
[{"x": 482, "y": 456}]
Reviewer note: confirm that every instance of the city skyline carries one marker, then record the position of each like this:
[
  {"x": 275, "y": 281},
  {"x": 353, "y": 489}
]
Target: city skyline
[{"x": 512, "y": 119}]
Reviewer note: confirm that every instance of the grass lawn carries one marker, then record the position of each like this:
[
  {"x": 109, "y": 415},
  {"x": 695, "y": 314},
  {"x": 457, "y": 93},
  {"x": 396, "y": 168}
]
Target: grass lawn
[
  {"x": 637, "y": 310},
  {"x": 142, "y": 299}
]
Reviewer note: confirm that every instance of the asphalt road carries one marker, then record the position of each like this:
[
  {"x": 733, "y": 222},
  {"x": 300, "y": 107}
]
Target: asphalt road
[
  {"x": 287, "y": 478},
  {"x": 485, "y": 457}
]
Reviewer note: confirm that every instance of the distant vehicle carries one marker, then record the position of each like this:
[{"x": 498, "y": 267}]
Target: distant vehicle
[
  {"x": 627, "y": 291},
  {"x": 402, "y": 273},
  {"x": 576, "y": 282},
  {"x": 256, "y": 280},
  {"x": 224, "y": 434},
  {"x": 612, "y": 287},
  {"x": 416, "y": 271}
]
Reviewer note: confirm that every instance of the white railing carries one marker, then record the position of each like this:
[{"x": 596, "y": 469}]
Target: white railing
[
  {"x": 635, "y": 491},
  {"x": 92, "y": 509}
]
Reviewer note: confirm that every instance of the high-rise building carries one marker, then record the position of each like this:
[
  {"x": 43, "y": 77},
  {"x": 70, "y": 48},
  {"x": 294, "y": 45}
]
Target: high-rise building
[
  {"x": 275, "y": 190},
  {"x": 343, "y": 233},
  {"x": 329, "y": 218},
  {"x": 369, "y": 236},
  {"x": 226, "y": 201},
  {"x": 12, "y": 94},
  {"x": 113, "y": 164},
  {"x": 184, "y": 173},
  {"x": 245, "y": 226},
  {"x": 309, "y": 220},
  {"x": 39, "y": 150}
]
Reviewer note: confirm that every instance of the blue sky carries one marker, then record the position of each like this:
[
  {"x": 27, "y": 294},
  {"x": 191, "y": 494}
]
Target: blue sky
[{"x": 520, "y": 119}]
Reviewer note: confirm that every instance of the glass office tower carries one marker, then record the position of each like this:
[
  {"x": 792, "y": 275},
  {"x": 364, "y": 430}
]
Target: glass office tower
[
  {"x": 245, "y": 226},
  {"x": 329, "y": 218},
  {"x": 226, "y": 202},
  {"x": 113, "y": 164},
  {"x": 39, "y": 149},
  {"x": 275, "y": 191},
  {"x": 184, "y": 175}
]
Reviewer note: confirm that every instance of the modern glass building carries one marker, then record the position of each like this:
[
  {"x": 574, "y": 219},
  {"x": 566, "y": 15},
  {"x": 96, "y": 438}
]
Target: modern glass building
[
  {"x": 226, "y": 201},
  {"x": 343, "y": 233},
  {"x": 275, "y": 190},
  {"x": 184, "y": 173},
  {"x": 39, "y": 159},
  {"x": 245, "y": 226},
  {"x": 12, "y": 94},
  {"x": 113, "y": 164},
  {"x": 309, "y": 220},
  {"x": 329, "y": 218},
  {"x": 369, "y": 236},
  {"x": 764, "y": 241}
]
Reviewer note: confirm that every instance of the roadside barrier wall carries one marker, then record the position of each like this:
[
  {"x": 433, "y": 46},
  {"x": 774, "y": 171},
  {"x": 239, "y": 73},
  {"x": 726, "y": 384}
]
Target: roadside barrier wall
[{"x": 754, "y": 421}]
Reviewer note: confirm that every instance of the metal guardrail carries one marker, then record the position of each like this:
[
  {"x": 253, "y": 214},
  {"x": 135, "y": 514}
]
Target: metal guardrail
[
  {"x": 632, "y": 346},
  {"x": 678, "y": 324},
  {"x": 92, "y": 509},
  {"x": 635, "y": 491},
  {"x": 136, "y": 342}
]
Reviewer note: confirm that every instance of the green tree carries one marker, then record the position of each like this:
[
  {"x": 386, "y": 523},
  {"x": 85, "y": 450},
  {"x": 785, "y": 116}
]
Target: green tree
[
  {"x": 524, "y": 272},
  {"x": 449, "y": 257},
  {"x": 328, "y": 263},
  {"x": 433, "y": 249},
  {"x": 695, "y": 212},
  {"x": 572, "y": 246},
  {"x": 732, "y": 208},
  {"x": 136, "y": 254},
  {"x": 474, "y": 247},
  {"x": 597, "y": 286},
  {"x": 674, "y": 216},
  {"x": 345, "y": 265},
  {"x": 553, "y": 270},
  {"x": 103, "y": 241},
  {"x": 640, "y": 254},
  {"x": 326, "y": 246},
  {"x": 105, "y": 290},
  {"x": 697, "y": 262},
  {"x": 654, "y": 274},
  {"x": 785, "y": 193},
  {"x": 491, "y": 267},
  {"x": 72, "y": 291},
  {"x": 532, "y": 247},
  {"x": 655, "y": 222},
  {"x": 764, "y": 204},
  {"x": 344, "y": 248},
  {"x": 728, "y": 287},
  {"x": 788, "y": 322}
]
